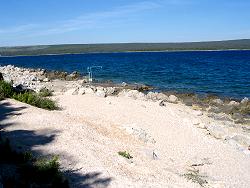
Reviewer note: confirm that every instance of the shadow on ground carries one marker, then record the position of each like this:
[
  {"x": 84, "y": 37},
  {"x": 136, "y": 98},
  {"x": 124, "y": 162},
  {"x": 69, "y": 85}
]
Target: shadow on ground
[{"x": 32, "y": 138}]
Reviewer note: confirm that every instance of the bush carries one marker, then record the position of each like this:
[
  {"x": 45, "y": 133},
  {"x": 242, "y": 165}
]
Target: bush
[
  {"x": 27, "y": 171},
  {"x": 6, "y": 90},
  {"x": 125, "y": 154},
  {"x": 44, "y": 92},
  {"x": 35, "y": 100}
]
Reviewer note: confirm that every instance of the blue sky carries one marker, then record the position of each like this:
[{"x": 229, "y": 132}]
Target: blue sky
[{"x": 29, "y": 22}]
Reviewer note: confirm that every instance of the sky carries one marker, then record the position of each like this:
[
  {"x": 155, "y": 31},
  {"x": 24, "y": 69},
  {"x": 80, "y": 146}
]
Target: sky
[{"x": 35, "y": 22}]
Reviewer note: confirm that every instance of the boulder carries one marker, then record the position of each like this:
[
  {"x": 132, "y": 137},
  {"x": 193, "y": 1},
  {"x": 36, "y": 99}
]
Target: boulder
[
  {"x": 100, "y": 93},
  {"x": 172, "y": 99},
  {"x": 217, "y": 101},
  {"x": 46, "y": 80},
  {"x": 233, "y": 103},
  {"x": 22, "y": 89},
  {"x": 162, "y": 103},
  {"x": 217, "y": 131},
  {"x": 245, "y": 100},
  {"x": 81, "y": 91},
  {"x": 161, "y": 96},
  {"x": 152, "y": 96},
  {"x": 110, "y": 90},
  {"x": 241, "y": 139},
  {"x": 124, "y": 84},
  {"x": 89, "y": 91}
]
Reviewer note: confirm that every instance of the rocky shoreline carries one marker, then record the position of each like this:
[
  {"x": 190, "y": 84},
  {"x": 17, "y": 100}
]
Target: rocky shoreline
[
  {"x": 232, "y": 110},
  {"x": 230, "y": 113}
]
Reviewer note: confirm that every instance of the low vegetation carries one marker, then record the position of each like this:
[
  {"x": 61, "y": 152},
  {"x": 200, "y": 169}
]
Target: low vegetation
[
  {"x": 21, "y": 169},
  {"x": 34, "y": 99},
  {"x": 195, "y": 177},
  {"x": 6, "y": 90},
  {"x": 125, "y": 154},
  {"x": 44, "y": 92}
]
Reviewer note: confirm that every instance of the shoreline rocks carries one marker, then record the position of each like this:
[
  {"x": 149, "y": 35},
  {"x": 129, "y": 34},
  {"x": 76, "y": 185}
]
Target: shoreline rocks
[
  {"x": 229, "y": 112},
  {"x": 36, "y": 79}
]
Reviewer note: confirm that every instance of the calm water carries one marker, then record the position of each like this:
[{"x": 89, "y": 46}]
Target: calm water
[{"x": 226, "y": 73}]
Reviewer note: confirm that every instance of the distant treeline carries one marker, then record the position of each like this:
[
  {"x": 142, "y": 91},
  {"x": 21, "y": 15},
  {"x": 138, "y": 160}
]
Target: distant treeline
[{"x": 123, "y": 47}]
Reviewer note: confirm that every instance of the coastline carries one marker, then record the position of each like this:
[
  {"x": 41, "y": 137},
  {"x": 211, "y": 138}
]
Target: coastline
[
  {"x": 218, "y": 50},
  {"x": 167, "y": 139}
]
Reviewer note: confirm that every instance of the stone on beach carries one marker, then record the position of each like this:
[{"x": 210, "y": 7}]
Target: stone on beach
[
  {"x": 245, "y": 100},
  {"x": 100, "y": 93},
  {"x": 233, "y": 103},
  {"x": 217, "y": 131},
  {"x": 81, "y": 91},
  {"x": 172, "y": 99},
  {"x": 217, "y": 101}
]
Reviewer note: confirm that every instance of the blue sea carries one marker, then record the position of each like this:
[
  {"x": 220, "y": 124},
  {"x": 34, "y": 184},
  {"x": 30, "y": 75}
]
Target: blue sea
[{"x": 224, "y": 73}]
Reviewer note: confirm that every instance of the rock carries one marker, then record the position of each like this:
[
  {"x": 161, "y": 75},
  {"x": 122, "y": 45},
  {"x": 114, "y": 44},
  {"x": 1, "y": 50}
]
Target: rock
[
  {"x": 124, "y": 84},
  {"x": 81, "y": 91},
  {"x": 217, "y": 131},
  {"x": 233, "y": 103},
  {"x": 198, "y": 113},
  {"x": 73, "y": 91},
  {"x": 152, "y": 96},
  {"x": 218, "y": 101},
  {"x": 162, "y": 103},
  {"x": 245, "y": 100},
  {"x": 46, "y": 80},
  {"x": 241, "y": 139},
  {"x": 172, "y": 99},
  {"x": 22, "y": 89},
  {"x": 132, "y": 94},
  {"x": 110, "y": 90},
  {"x": 161, "y": 96},
  {"x": 100, "y": 93},
  {"x": 89, "y": 91},
  {"x": 1, "y": 76}
]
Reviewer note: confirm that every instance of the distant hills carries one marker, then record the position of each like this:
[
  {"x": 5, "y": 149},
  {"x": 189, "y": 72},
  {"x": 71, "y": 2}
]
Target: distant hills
[{"x": 124, "y": 47}]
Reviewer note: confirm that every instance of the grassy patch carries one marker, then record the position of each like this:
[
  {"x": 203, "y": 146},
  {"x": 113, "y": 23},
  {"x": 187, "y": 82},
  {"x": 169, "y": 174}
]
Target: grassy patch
[
  {"x": 23, "y": 170},
  {"x": 44, "y": 92},
  {"x": 36, "y": 100},
  {"x": 195, "y": 177},
  {"x": 6, "y": 90},
  {"x": 125, "y": 154}
]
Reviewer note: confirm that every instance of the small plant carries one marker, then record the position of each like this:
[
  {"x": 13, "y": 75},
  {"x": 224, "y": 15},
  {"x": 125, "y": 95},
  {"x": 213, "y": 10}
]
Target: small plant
[
  {"x": 44, "y": 92},
  {"x": 6, "y": 90},
  {"x": 36, "y": 100},
  {"x": 125, "y": 154},
  {"x": 195, "y": 177},
  {"x": 30, "y": 171}
]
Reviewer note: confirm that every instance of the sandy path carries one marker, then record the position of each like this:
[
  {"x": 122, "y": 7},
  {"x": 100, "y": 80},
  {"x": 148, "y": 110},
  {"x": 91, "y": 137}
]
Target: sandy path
[{"x": 89, "y": 131}]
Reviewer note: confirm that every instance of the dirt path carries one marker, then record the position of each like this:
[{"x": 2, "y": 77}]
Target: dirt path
[{"x": 88, "y": 133}]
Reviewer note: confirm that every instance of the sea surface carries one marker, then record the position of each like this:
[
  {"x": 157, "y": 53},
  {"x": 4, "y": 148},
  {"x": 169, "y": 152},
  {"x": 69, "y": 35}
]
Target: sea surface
[{"x": 224, "y": 73}]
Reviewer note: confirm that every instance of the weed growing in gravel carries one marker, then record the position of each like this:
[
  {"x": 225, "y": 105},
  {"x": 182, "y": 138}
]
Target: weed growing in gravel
[{"x": 125, "y": 154}]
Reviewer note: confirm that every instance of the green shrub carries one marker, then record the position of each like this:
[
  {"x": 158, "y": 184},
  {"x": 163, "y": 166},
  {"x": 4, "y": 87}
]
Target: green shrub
[
  {"x": 30, "y": 172},
  {"x": 36, "y": 100},
  {"x": 44, "y": 92},
  {"x": 125, "y": 154},
  {"x": 6, "y": 90}
]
